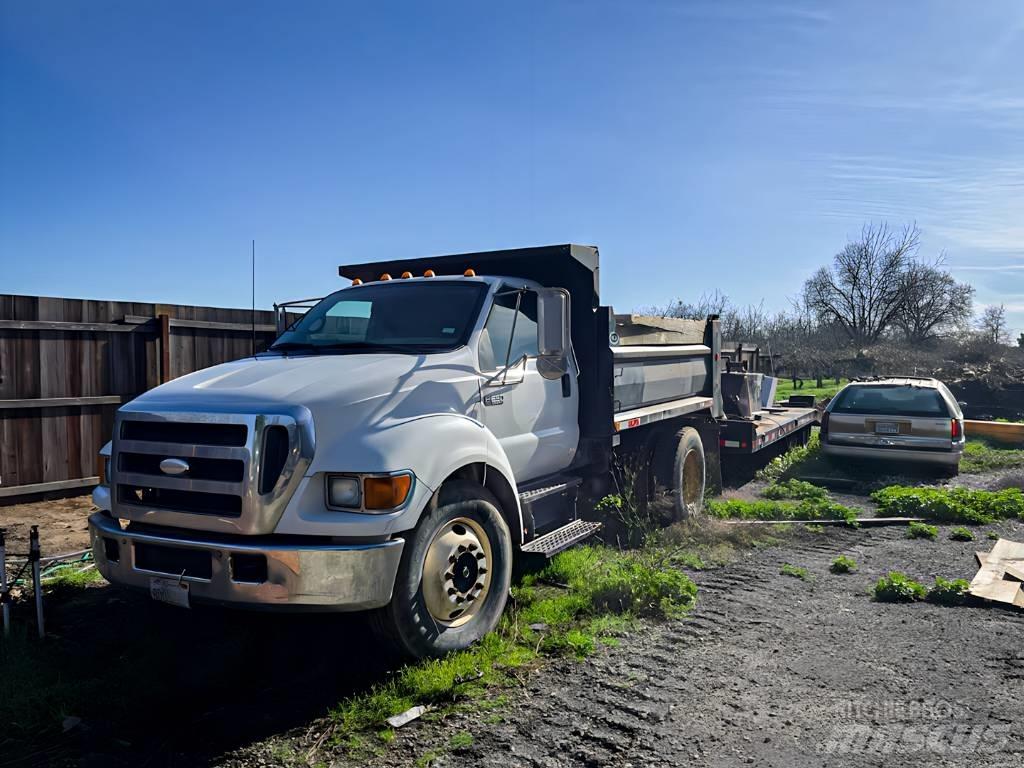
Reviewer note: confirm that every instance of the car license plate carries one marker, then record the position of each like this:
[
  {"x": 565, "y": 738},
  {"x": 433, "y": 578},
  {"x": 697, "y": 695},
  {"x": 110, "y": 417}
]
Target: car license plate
[
  {"x": 887, "y": 428},
  {"x": 169, "y": 591}
]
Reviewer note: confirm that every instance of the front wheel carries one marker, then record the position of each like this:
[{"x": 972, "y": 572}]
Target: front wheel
[{"x": 454, "y": 577}]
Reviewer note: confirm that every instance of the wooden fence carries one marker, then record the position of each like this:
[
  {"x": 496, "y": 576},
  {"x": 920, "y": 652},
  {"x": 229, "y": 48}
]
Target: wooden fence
[{"x": 67, "y": 364}]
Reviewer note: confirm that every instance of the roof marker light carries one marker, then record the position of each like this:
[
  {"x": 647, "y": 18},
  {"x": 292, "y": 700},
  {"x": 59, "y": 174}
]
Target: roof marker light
[
  {"x": 357, "y": 281},
  {"x": 469, "y": 273},
  {"x": 406, "y": 275},
  {"x": 385, "y": 276},
  {"x": 429, "y": 273}
]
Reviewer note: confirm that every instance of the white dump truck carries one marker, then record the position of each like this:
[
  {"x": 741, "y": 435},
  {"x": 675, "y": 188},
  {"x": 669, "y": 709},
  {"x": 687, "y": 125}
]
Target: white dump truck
[{"x": 409, "y": 437}]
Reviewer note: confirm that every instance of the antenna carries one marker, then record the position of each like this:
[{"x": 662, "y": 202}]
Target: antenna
[{"x": 254, "y": 298}]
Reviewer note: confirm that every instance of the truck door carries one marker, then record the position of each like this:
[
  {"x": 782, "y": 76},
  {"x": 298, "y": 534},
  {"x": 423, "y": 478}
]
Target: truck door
[{"x": 535, "y": 419}]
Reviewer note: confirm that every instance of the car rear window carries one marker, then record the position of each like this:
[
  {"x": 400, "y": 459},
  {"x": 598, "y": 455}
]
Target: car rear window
[{"x": 895, "y": 400}]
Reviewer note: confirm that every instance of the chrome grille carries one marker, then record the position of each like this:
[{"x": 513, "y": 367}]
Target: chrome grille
[{"x": 225, "y": 488}]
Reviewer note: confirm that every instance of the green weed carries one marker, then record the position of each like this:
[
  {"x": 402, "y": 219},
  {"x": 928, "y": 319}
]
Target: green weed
[
  {"x": 948, "y": 592},
  {"x": 843, "y": 564},
  {"x": 922, "y": 531},
  {"x": 960, "y": 533},
  {"x": 982, "y": 456},
  {"x": 952, "y": 505},
  {"x": 789, "y": 463},
  {"x": 795, "y": 571},
  {"x": 897, "y": 587},
  {"x": 806, "y": 509},
  {"x": 795, "y": 489}
]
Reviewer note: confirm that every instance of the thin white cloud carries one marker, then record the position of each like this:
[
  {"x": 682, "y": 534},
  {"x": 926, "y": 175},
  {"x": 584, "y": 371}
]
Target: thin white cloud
[{"x": 987, "y": 268}]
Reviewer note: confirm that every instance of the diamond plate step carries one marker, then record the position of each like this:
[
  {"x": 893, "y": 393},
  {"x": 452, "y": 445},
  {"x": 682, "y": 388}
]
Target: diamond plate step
[
  {"x": 528, "y": 497},
  {"x": 561, "y": 538}
]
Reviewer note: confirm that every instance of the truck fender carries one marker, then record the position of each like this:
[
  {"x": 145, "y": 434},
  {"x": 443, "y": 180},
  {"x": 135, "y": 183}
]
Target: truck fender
[{"x": 433, "y": 446}]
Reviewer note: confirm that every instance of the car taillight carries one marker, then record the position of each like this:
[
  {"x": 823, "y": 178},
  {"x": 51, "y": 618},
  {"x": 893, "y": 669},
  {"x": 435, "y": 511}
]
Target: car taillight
[
  {"x": 955, "y": 429},
  {"x": 824, "y": 425}
]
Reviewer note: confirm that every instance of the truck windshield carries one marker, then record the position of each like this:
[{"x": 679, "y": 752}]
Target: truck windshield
[{"x": 390, "y": 317}]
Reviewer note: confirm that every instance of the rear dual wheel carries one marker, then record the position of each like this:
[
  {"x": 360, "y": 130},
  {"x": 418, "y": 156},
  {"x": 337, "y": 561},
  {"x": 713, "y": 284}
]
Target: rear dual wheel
[
  {"x": 454, "y": 577},
  {"x": 679, "y": 469}
]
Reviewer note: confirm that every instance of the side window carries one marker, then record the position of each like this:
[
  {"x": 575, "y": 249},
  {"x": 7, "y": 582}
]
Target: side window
[{"x": 494, "y": 341}]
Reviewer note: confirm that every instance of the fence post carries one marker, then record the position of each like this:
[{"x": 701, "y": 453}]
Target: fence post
[{"x": 165, "y": 348}]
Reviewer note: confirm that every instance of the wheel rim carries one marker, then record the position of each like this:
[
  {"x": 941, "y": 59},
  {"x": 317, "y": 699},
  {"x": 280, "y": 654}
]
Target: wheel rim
[
  {"x": 692, "y": 475},
  {"x": 457, "y": 572}
]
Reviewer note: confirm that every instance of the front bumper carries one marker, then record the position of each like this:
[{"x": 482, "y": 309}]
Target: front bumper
[
  {"x": 339, "y": 577},
  {"x": 934, "y": 458}
]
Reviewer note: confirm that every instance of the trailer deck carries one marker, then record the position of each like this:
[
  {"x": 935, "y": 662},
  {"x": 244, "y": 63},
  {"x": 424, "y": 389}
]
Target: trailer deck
[{"x": 776, "y": 423}]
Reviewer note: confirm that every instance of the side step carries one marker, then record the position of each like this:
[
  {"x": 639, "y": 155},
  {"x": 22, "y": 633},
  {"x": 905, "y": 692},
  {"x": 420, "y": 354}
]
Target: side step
[{"x": 554, "y": 542}]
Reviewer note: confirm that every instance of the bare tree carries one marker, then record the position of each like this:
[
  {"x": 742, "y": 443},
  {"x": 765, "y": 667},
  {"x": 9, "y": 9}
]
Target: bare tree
[
  {"x": 864, "y": 289},
  {"x": 933, "y": 302},
  {"x": 992, "y": 324}
]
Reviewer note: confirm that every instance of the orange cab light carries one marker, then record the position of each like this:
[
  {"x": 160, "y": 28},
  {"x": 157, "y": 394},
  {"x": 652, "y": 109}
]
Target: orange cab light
[
  {"x": 429, "y": 273},
  {"x": 469, "y": 273},
  {"x": 385, "y": 276},
  {"x": 386, "y": 492},
  {"x": 357, "y": 281},
  {"x": 406, "y": 275}
]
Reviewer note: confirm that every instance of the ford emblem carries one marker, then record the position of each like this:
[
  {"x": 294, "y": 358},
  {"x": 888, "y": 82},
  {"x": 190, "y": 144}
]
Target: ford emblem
[{"x": 174, "y": 466}]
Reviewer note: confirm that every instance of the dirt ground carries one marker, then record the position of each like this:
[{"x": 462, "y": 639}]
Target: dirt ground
[
  {"x": 63, "y": 524},
  {"x": 769, "y": 670}
]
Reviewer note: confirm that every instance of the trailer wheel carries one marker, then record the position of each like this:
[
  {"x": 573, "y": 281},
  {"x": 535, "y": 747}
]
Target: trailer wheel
[
  {"x": 679, "y": 468},
  {"x": 454, "y": 577}
]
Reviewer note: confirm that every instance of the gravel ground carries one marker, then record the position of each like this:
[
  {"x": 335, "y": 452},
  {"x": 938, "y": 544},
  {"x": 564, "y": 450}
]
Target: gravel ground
[{"x": 770, "y": 670}]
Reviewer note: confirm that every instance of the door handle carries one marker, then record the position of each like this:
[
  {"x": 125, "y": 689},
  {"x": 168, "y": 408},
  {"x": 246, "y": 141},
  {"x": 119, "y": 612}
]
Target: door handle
[{"x": 566, "y": 385}]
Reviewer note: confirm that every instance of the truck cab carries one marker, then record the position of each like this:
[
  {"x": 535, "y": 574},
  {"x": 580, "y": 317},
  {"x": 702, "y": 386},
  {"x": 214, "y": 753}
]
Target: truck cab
[{"x": 302, "y": 477}]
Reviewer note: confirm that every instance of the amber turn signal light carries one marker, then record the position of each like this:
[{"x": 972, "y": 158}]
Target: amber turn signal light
[
  {"x": 386, "y": 492},
  {"x": 469, "y": 273}
]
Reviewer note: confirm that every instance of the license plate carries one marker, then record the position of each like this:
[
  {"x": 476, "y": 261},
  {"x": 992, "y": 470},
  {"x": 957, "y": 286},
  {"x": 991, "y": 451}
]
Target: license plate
[
  {"x": 169, "y": 591},
  {"x": 887, "y": 428}
]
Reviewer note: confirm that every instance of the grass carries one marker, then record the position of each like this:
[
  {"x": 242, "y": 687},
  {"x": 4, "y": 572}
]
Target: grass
[
  {"x": 951, "y": 505},
  {"x": 604, "y": 592},
  {"x": 843, "y": 564},
  {"x": 960, "y": 533},
  {"x": 983, "y": 456},
  {"x": 993, "y": 536},
  {"x": 461, "y": 740},
  {"x": 785, "y": 388},
  {"x": 795, "y": 571},
  {"x": 897, "y": 587},
  {"x": 948, "y": 592},
  {"x": 922, "y": 531}
]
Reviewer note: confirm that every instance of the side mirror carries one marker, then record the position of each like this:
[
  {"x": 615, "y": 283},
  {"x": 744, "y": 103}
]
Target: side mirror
[{"x": 553, "y": 339}]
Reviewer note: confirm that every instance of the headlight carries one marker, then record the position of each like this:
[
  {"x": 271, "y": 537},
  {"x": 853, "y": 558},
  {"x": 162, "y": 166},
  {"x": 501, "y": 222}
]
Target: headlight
[
  {"x": 368, "y": 493},
  {"x": 343, "y": 491}
]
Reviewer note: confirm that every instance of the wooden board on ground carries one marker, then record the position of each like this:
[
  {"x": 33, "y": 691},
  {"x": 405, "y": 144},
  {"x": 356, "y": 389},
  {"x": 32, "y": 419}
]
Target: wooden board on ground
[{"x": 1000, "y": 574}]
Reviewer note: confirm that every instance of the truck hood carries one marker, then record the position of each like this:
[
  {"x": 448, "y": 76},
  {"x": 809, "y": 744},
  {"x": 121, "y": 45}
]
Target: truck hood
[{"x": 376, "y": 386}]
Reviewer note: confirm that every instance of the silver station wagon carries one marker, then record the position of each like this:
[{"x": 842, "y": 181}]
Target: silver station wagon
[{"x": 899, "y": 419}]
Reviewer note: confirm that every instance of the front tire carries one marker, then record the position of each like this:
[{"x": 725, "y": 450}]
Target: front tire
[{"x": 454, "y": 578}]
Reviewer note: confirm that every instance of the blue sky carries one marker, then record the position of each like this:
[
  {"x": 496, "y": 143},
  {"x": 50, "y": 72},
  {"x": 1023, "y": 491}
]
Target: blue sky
[{"x": 701, "y": 145}]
